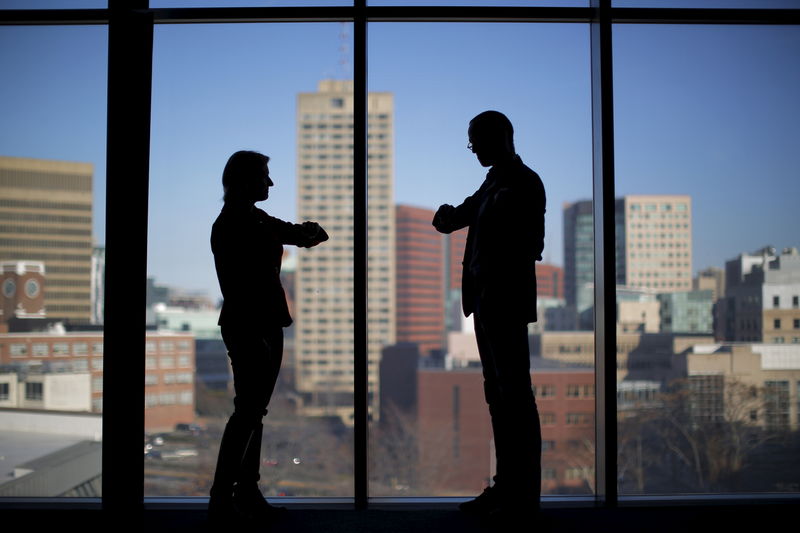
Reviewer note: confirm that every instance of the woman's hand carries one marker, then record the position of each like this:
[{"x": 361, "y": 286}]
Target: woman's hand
[{"x": 314, "y": 233}]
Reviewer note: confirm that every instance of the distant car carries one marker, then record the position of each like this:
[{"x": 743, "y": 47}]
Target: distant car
[{"x": 194, "y": 429}]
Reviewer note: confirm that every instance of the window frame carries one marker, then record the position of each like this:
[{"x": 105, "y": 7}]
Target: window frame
[{"x": 130, "y": 25}]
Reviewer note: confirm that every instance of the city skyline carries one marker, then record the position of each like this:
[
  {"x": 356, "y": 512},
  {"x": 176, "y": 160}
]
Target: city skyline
[
  {"x": 690, "y": 143},
  {"x": 707, "y": 114}
]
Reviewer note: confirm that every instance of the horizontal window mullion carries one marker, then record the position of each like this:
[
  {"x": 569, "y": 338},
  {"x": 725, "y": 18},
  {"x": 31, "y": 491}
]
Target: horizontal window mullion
[{"x": 410, "y": 14}]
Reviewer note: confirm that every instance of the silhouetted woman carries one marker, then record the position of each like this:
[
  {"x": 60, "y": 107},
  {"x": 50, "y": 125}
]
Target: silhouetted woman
[{"x": 248, "y": 247}]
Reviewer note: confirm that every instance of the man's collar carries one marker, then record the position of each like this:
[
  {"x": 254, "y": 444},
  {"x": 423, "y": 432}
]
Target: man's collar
[{"x": 497, "y": 170}]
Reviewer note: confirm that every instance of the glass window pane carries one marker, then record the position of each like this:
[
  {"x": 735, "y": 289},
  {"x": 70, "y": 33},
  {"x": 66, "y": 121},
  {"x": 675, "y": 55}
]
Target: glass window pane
[
  {"x": 707, "y": 125},
  {"x": 52, "y": 214},
  {"x": 279, "y": 90},
  {"x": 431, "y": 433}
]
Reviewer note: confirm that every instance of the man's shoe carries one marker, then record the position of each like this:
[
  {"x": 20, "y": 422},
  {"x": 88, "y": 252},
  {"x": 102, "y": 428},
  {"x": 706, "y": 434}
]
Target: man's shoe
[
  {"x": 516, "y": 514},
  {"x": 484, "y": 504}
]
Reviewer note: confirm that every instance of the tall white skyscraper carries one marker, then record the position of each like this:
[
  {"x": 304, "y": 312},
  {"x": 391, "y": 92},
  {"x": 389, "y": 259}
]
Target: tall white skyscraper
[{"x": 324, "y": 277}]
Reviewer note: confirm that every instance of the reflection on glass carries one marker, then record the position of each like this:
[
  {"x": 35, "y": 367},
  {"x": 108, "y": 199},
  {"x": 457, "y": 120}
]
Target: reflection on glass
[
  {"x": 253, "y": 96},
  {"x": 430, "y": 434},
  {"x": 51, "y": 261},
  {"x": 707, "y": 297}
]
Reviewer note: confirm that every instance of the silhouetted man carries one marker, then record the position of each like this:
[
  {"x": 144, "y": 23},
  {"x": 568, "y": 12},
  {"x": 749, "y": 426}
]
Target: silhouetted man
[{"x": 505, "y": 217}]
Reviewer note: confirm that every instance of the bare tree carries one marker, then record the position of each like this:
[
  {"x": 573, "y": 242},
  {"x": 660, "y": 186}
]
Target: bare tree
[
  {"x": 394, "y": 454},
  {"x": 703, "y": 430},
  {"x": 580, "y": 457}
]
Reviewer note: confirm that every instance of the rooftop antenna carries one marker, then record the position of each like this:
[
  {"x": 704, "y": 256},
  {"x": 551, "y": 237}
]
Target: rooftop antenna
[{"x": 344, "y": 49}]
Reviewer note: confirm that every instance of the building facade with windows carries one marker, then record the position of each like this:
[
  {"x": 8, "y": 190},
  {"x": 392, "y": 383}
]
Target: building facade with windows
[
  {"x": 653, "y": 241},
  {"x": 46, "y": 216},
  {"x": 657, "y": 251},
  {"x": 455, "y": 433},
  {"x": 324, "y": 277},
  {"x": 578, "y": 255},
  {"x": 710, "y": 279},
  {"x": 64, "y": 371},
  {"x": 549, "y": 281},
  {"x": 687, "y": 312},
  {"x": 767, "y": 377},
  {"x": 420, "y": 280},
  {"x": 762, "y": 302},
  {"x": 658, "y": 357}
]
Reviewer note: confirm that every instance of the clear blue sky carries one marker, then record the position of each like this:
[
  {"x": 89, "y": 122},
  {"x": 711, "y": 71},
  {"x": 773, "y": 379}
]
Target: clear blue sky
[{"x": 708, "y": 111}]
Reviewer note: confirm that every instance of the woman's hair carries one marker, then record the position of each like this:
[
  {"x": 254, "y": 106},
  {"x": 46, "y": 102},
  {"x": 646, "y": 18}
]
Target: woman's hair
[{"x": 241, "y": 169}]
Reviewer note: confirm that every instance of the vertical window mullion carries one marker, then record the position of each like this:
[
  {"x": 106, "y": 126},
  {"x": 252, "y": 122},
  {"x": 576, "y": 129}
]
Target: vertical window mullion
[
  {"x": 130, "y": 47},
  {"x": 604, "y": 253},
  {"x": 360, "y": 348}
]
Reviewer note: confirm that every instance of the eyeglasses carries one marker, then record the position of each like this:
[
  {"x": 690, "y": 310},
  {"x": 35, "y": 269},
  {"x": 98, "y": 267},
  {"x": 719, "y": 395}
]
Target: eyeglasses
[{"x": 469, "y": 146}]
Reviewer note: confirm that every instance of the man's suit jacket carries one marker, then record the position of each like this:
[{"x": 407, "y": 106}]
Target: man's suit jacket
[
  {"x": 248, "y": 249},
  {"x": 505, "y": 239}
]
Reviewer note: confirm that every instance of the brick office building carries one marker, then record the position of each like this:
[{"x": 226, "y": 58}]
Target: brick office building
[
  {"x": 29, "y": 361},
  {"x": 549, "y": 281},
  {"x": 455, "y": 434},
  {"x": 420, "y": 279}
]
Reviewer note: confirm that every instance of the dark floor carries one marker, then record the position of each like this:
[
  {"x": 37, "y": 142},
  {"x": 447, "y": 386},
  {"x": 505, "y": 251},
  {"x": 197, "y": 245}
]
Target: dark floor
[{"x": 681, "y": 519}]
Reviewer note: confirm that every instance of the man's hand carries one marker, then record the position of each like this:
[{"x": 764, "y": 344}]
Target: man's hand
[
  {"x": 441, "y": 220},
  {"x": 314, "y": 233}
]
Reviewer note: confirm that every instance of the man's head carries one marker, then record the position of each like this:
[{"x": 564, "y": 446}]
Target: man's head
[
  {"x": 491, "y": 138},
  {"x": 246, "y": 177}
]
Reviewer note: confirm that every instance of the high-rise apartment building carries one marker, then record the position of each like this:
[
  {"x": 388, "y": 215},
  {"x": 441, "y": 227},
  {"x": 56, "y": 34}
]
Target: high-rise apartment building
[
  {"x": 324, "y": 277},
  {"x": 46, "y": 216},
  {"x": 420, "y": 279},
  {"x": 657, "y": 242},
  {"x": 653, "y": 246}
]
